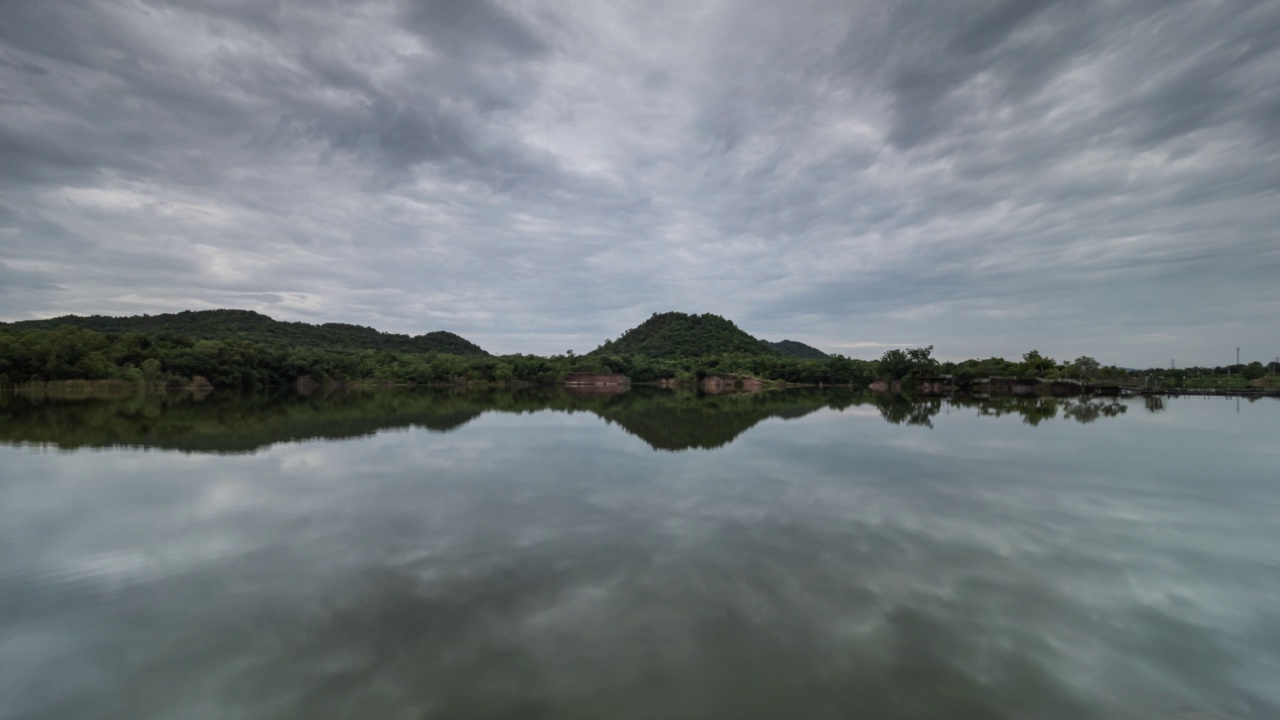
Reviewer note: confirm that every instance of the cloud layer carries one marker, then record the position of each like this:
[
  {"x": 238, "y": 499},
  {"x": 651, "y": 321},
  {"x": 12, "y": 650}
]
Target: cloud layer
[{"x": 1080, "y": 177}]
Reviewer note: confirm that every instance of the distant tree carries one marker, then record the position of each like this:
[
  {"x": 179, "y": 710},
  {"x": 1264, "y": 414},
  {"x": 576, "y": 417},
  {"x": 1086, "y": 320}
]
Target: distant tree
[
  {"x": 894, "y": 364},
  {"x": 151, "y": 370},
  {"x": 898, "y": 364},
  {"x": 1036, "y": 365},
  {"x": 921, "y": 358},
  {"x": 504, "y": 373},
  {"x": 1084, "y": 367},
  {"x": 132, "y": 374}
]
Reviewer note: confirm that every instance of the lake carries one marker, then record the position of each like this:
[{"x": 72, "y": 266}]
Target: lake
[{"x": 790, "y": 554}]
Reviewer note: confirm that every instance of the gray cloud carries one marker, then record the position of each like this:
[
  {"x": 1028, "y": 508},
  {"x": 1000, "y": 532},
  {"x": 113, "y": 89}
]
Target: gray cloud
[
  {"x": 986, "y": 177},
  {"x": 472, "y": 29}
]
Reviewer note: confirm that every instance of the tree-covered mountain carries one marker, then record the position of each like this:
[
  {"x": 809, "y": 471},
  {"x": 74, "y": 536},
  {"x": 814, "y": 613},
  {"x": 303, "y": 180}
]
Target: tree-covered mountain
[
  {"x": 256, "y": 327},
  {"x": 677, "y": 334},
  {"x": 797, "y": 349}
]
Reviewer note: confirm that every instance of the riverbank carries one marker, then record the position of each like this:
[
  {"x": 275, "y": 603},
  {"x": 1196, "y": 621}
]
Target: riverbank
[{"x": 1038, "y": 387}]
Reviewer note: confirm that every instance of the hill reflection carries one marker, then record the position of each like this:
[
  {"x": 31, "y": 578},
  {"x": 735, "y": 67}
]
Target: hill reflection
[{"x": 665, "y": 420}]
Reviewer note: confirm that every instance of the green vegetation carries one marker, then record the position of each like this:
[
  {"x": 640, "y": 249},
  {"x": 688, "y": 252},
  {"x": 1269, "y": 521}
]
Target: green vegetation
[
  {"x": 1254, "y": 376},
  {"x": 910, "y": 365},
  {"x": 71, "y": 353},
  {"x": 246, "y": 325},
  {"x": 680, "y": 335},
  {"x": 915, "y": 363},
  {"x": 837, "y": 370},
  {"x": 687, "y": 348},
  {"x": 241, "y": 349},
  {"x": 794, "y": 348},
  {"x": 903, "y": 364},
  {"x": 1208, "y": 382}
]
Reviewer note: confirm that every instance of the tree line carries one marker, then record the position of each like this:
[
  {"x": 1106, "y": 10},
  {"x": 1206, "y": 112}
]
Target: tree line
[
  {"x": 916, "y": 363},
  {"x": 167, "y": 358}
]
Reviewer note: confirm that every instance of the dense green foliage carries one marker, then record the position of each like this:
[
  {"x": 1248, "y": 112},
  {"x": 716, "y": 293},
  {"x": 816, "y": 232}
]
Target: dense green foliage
[
  {"x": 680, "y": 335},
  {"x": 255, "y": 327},
  {"x": 795, "y": 348},
  {"x": 71, "y": 353},
  {"x": 230, "y": 348},
  {"x": 899, "y": 364},
  {"x": 837, "y": 370}
]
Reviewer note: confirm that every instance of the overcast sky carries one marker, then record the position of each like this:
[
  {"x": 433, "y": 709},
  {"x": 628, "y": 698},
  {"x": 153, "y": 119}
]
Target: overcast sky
[{"x": 1097, "y": 178}]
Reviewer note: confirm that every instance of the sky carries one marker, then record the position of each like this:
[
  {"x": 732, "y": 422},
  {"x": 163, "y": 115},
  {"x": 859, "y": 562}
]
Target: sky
[{"x": 987, "y": 177}]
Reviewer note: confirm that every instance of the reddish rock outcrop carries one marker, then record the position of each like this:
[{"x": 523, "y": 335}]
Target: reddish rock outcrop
[{"x": 730, "y": 383}]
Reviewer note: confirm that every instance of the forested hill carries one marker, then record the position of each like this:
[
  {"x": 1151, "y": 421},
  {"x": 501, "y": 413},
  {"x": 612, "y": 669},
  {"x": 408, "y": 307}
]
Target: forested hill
[
  {"x": 677, "y": 334},
  {"x": 796, "y": 349},
  {"x": 256, "y": 327}
]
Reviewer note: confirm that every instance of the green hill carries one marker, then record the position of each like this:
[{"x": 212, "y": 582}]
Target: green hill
[
  {"x": 676, "y": 334},
  {"x": 796, "y": 349},
  {"x": 255, "y": 327}
]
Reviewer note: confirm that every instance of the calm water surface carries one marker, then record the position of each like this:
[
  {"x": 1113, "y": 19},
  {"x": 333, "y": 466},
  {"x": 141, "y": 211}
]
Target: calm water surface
[{"x": 785, "y": 555}]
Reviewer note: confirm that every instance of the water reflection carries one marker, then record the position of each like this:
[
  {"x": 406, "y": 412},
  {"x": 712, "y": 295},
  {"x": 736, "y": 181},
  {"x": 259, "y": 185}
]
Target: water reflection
[
  {"x": 664, "y": 419},
  {"x": 758, "y": 625},
  {"x": 497, "y": 562}
]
